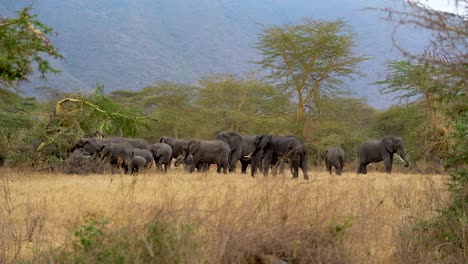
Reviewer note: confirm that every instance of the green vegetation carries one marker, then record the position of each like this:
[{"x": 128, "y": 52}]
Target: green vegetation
[
  {"x": 436, "y": 80},
  {"x": 305, "y": 102},
  {"x": 95, "y": 242},
  {"x": 23, "y": 43},
  {"x": 309, "y": 60}
]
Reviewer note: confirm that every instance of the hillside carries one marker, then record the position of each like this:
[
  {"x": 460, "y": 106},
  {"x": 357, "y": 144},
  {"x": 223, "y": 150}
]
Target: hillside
[{"x": 128, "y": 44}]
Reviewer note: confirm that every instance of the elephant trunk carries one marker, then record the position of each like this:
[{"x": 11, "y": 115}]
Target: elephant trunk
[{"x": 402, "y": 155}]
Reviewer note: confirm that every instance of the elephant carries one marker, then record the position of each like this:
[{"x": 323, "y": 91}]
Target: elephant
[
  {"x": 274, "y": 149},
  {"x": 119, "y": 155},
  {"x": 241, "y": 148},
  {"x": 135, "y": 142},
  {"x": 182, "y": 159},
  {"x": 335, "y": 157},
  {"x": 212, "y": 152},
  {"x": 138, "y": 164},
  {"x": 381, "y": 150},
  {"x": 91, "y": 145},
  {"x": 162, "y": 154},
  {"x": 146, "y": 154},
  {"x": 177, "y": 145},
  {"x": 79, "y": 154}
]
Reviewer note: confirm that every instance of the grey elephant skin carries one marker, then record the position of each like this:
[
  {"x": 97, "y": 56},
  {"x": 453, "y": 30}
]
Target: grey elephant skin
[
  {"x": 212, "y": 152},
  {"x": 119, "y": 155},
  {"x": 275, "y": 149},
  {"x": 162, "y": 154},
  {"x": 241, "y": 148},
  {"x": 177, "y": 145},
  {"x": 335, "y": 157},
  {"x": 138, "y": 164},
  {"x": 146, "y": 154},
  {"x": 381, "y": 150},
  {"x": 182, "y": 159}
]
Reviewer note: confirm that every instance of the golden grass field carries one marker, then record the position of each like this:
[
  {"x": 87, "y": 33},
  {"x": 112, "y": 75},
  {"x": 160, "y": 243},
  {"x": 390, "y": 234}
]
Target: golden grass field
[{"x": 232, "y": 213}]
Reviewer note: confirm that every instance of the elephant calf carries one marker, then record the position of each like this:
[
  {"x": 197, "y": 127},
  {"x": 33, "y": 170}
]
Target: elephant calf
[
  {"x": 138, "y": 164},
  {"x": 162, "y": 154},
  {"x": 334, "y": 157}
]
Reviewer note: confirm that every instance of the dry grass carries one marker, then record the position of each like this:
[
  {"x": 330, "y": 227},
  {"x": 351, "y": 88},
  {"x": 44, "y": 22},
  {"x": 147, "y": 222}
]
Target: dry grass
[{"x": 237, "y": 218}]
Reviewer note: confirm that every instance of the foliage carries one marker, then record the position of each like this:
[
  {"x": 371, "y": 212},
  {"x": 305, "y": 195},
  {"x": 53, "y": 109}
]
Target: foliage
[
  {"x": 244, "y": 105},
  {"x": 344, "y": 122},
  {"x": 169, "y": 103},
  {"x": 310, "y": 59},
  {"x": 425, "y": 86},
  {"x": 221, "y": 102},
  {"x": 24, "y": 43},
  {"x": 443, "y": 66},
  {"x": 85, "y": 115},
  {"x": 95, "y": 242},
  {"x": 408, "y": 123}
]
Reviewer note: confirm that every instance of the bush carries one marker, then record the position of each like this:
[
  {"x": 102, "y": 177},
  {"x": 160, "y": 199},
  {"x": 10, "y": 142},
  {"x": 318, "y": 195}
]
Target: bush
[{"x": 95, "y": 242}]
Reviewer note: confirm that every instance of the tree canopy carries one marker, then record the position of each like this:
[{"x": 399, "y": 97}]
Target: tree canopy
[
  {"x": 310, "y": 60},
  {"x": 24, "y": 43}
]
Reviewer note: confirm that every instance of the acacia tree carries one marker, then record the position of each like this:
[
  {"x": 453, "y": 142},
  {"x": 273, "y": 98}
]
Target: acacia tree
[
  {"x": 227, "y": 102},
  {"x": 310, "y": 60},
  {"x": 23, "y": 43}
]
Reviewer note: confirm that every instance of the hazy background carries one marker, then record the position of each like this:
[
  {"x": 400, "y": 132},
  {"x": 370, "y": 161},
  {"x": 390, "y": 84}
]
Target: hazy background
[{"x": 128, "y": 44}]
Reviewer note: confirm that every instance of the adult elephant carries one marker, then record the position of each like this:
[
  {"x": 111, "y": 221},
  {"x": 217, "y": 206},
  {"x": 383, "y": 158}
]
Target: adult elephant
[
  {"x": 274, "y": 149},
  {"x": 162, "y": 154},
  {"x": 177, "y": 145},
  {"x": 334, "y": 157},
  {"x": 241, "y": 148},
  {"x": 381, "y": 150},
  {"x": 212, "y": 152},
  {"x": 90, "y": 145},
  {"x": 135, "y": 142},
  {"x": 119, "y": 155}
]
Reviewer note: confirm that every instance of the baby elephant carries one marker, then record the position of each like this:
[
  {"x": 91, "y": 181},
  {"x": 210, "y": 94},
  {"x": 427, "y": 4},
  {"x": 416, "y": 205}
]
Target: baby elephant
[
  {"x": 335, "y": 157},
  {"x": 138, "y": 164}
]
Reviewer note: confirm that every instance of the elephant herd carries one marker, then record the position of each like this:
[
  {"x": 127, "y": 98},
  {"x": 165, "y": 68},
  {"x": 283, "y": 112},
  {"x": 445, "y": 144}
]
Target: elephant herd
[
  {"x": 132, "y": 154},
  {"x": 229, "y": 148},
  {"x": 262, "y": 152}
]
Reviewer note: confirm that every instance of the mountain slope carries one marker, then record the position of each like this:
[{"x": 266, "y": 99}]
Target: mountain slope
[{"x": 125, "y": 44}]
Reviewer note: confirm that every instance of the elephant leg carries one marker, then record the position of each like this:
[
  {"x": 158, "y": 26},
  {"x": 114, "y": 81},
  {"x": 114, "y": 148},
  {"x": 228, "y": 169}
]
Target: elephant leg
[
  {"x": 329, "y": 168},
  {"x": 388, "y": 161},
  {"x": 296, "y": 172},
  {"x": 226, "y": 166},
  {"x": 233, "y": 162},
  {"x": 304, "y": 171},
  {"x": 338, "y": 169},
  {"x": 266, "y": 165},
  {"x": 192, "y": 166},
  {"x": 244, "y": 165},
  {"x": 364, "y": 168},
  {"x": 281, "y": 167}
]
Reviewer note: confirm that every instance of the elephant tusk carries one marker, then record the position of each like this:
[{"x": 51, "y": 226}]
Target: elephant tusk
[
  {"x": 249, "y": 156},
  {"x": 406, "y": 162}
]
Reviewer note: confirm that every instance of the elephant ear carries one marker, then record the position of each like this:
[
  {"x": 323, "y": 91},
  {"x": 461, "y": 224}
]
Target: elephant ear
[
  {"x": 389, "y": 144},
  {"x": 234, "y": 140},
  {"x": 265, "y": 140},
  {"x": 194, "y": 146},
  {"x": 162, "y": 139}
]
